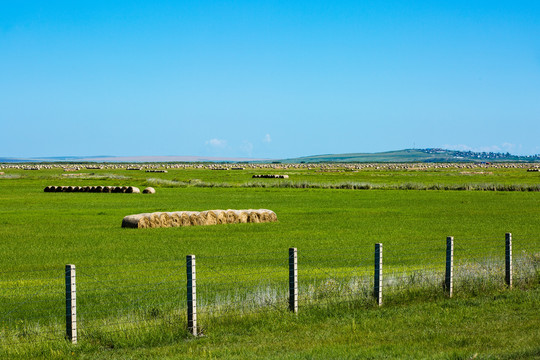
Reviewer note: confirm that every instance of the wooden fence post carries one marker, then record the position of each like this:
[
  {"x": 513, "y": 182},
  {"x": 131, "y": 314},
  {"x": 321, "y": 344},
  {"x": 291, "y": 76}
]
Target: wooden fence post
[
  {"x": 191, "y": 294},
  {"x": 449, "y": 274},
  {"x": 508, "y": 261},
  {"x": 293, "y": 280},
  {"x": 71, "y": 304},
  {"x": 378, "y": 278}
]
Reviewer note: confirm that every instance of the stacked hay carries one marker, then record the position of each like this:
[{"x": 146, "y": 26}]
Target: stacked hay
[
  {"x": 194, "y": 218},
  {"x": 271, "y": 176},
  {"x": 94, "y": 189}
]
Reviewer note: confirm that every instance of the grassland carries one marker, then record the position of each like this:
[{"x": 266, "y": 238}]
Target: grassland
[{"x": 41, "y": 232}]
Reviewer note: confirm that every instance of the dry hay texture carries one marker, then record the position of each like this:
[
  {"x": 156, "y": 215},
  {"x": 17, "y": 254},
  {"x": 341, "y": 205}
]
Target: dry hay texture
[
  {"x": 94, "y": 189},
  {"x": 194, "y": 218}
]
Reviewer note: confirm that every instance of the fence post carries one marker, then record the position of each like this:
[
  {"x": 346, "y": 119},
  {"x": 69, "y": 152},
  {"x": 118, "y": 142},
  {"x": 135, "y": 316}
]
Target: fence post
[
  {"x": 508, "y": 258},
  {"x": 378, "y": 284},
  {"x": 191, "y": 294},
  {"x": 293, "y": 280},
  {"x": 71, "y": 304},
  {"x": 449, "y": 274}
]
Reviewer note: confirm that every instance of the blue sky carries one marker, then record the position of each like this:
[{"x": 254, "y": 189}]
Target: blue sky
[{"x": 267, "y": 79}]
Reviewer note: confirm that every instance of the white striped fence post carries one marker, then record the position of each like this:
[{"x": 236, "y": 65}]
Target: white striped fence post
[
  {"x": 191, "y": 294},
  {"x": 508, "y": 260},
  {"x": 71, "y": 304},
  {"x": 449, "y": 273},
  {"x": 378, "y": 278},
  {"x": 293, "y": 280}
]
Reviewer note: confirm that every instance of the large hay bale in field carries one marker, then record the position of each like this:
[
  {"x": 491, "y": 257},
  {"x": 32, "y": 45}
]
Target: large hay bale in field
[
  {"x": 194, "y": 218},
  {"x": 48, "y": 189},
  {"x": 149, "y": 190},
  {"x": 133, "y": 190}
]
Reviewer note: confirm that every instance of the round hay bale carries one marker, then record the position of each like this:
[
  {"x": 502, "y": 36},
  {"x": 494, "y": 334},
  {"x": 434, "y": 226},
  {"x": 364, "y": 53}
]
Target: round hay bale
[
  {"x": 132, "y": 190},
  {"x": 85, "y": 188},
  {"x": 242, "y": 216},
  {"x": 69, "y": 189},
  {"x": 196, "y": 219},
  {"x": 124, "y": 188},
  {"x": 107, "y": 189},
  {"x": 132, "y": 221},
  {"x": 175, "y": 219},
  {"x": 155, "y": 220},
  {"x": 99, "y": 189},
  {"x": 221, "y": 216},
  {"x": 231, "y": 216},
  {"x": 253, "y": 216},
  {"x": 211, "y": 217},
  {"x": 48, "y": 189},
  {"x": 144, "y": 222},
  {"x": 185, "y": 218},
  {"x": 149, "y": 190},
  {"x": 166, "y": 220},
  {"x": 117, "y": 189}
]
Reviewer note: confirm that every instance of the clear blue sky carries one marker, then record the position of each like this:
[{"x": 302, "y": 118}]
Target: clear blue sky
[{"x": 267, "y": 79}]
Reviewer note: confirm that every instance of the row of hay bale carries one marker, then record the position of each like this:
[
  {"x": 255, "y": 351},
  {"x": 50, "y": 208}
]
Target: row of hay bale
[
  {"x": 94, "y": 189},
  {"x": 194, "y": 218},
  {"x": 271, "y": 176},
  {"x": 533, "y": 170}
]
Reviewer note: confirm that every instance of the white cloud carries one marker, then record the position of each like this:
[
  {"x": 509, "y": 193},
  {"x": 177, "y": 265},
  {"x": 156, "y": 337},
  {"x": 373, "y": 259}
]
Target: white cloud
[
  {"x": 217, "y": 143},
  {"x": 267, "y": 138}
]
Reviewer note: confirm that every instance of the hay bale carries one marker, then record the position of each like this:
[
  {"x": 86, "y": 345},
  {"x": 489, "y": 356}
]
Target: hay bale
[
  {"x": 242, "y": 216},
  {"x": 154, "y": 220},
  {"x": 175, "y": 219},
  {"x": 149, "y": 190},
  {"x": 48, "y": 189},
  {"x": 196, "y": 219},
  {"x": 107, "y": 189},
  {"x": 231, "y": 216},
  {"x": 166, "y": 220},
  {"x": 135, "y": 221},
  {"x": 253, "y": 216},
  {"x": 133, "y": 190},
  {"x": 221, "y": 216},
  {"x": 185, "y": 218},
  {"x": 193, "y": 218},
  {"x": 99, "y": 188}
]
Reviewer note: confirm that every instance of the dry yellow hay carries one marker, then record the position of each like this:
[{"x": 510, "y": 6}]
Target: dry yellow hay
[
  {"x": 165, "y": 219},
  {"x": 184, "y": 218},
  {"x": 193, "y": 218},
  {"x": 175, "y": 219}
]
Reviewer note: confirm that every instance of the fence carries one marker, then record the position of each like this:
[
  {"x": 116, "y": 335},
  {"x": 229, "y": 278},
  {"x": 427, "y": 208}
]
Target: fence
[{"x": 136, "y": 300}]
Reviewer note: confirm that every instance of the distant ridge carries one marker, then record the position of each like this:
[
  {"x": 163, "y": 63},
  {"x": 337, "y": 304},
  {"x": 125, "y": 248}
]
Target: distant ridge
[
  {"x": 430, "y": 155},
  {"x": 415, "y": 155}
]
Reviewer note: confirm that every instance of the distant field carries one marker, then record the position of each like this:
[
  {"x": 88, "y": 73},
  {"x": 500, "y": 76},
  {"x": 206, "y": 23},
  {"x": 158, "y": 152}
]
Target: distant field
[{"x": 44, "y": 231}]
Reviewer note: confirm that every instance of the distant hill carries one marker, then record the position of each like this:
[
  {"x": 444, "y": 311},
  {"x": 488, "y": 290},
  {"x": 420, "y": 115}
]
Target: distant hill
[
  {"x": 400, "y": 156},
  {"x": 416, "y": 155}
]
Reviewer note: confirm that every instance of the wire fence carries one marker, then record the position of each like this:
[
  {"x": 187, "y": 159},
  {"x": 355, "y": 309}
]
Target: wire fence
[{"x": 105, "y": 303}]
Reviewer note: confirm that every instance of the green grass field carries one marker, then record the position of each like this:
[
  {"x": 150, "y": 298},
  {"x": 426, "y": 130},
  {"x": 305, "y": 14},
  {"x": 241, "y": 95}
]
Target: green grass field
[{"x": 334, "y": 231}]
